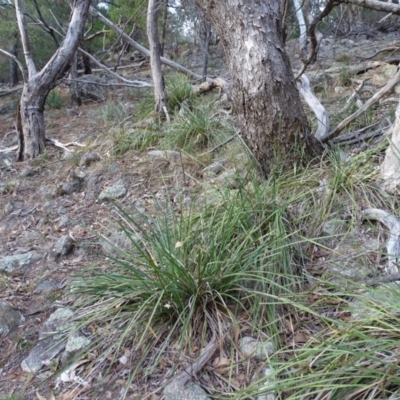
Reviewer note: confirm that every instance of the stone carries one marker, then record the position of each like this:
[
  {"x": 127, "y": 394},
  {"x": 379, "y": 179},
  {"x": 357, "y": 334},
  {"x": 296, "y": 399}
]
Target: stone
[
  {"x": 191, "y": 391},
  {"x": 93, "y": 185},
  {"x": 52, "y": 341},
  {"x": 46, "y": 287},
  {"x": 27, "y": 172},
  {"x": 9, "y": 318},
  {"x": 89, "y": 90},
  {"x": 89, "y": 158},
  {"x": 18, "y": 264},
  {"x": 170, "y": 155},
  {"x": 114, "y": 192},
  {"x": 268, "y": 385},
  {"x": 63, "y": 222},
  {"x": 215, "y": 168},
  {"x": 251, "y": 347},
  {"x": 69, "y": 188},
  {"x": 62, "y": 247},
  {"x": 118, "y": 242}
]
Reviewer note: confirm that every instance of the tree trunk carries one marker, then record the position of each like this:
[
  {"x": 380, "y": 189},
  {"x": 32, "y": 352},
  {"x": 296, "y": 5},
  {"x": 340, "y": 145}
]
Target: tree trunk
[
  {"x": 30, "y": 117},
  {"x": 265, "y": 98},
  {"x": 155, "y": 54}
]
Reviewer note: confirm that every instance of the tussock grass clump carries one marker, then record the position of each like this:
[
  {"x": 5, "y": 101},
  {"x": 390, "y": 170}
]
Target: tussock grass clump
[
  {"x": 198, "y": 128},
  {"x": 240, "y": 262},
  {"x": 113, "y": 113}
]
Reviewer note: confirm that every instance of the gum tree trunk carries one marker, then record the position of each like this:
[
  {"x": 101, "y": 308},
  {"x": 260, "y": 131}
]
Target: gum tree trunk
[
  {"x": 30, "y": 117},
  {"x": 265, "y": 98}
]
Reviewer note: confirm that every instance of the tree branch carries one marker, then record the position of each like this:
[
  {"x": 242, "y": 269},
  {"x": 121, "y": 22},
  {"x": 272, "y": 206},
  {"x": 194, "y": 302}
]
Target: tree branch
[
  {"x": 16, "y": 60},
  {"x": 24, "y": 38},
  {"x": 375, "y": 5}
]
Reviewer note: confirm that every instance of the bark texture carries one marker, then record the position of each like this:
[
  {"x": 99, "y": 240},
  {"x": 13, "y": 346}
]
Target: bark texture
[
  {"x": 30, "y": 118},
  {"x": 265, "y": 98},
  {"x": 155, "y": 54}
]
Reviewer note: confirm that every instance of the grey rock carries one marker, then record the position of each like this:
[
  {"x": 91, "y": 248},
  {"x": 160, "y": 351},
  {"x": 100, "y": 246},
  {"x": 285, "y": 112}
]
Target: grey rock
[
  {"x": 115, "y": 191},
  {"x": 93, "y": 185},
  {"x": 52, "y": 341},
  {"x": 119, "y": 241},
  {"x": 215, "y": 168},
  {"x": 63, "y": 222},
  {"x": 191, "y": 391},
  {"x": 62, "y": 247},
  {"x": 7, "y": 158},
  {"x": 9, "y": 318},
  {"x": 165, "y": 154},
  {"x": 75, "y": 343},
  {"x": 69, "y": 188},
  {"x": 251, "y": 347},
  {"x": 18, "y": 264},
  {"x": 46, "y": 286},
  {"x": 27, "y": 172},
  {"x": 268, "y": 385},
  {"x": 89, "y": 158}
]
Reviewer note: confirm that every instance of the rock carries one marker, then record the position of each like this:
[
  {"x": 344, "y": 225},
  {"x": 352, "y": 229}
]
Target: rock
[
  {"x": 215, "y": 168},
  {"x": 170, "y": 155},
  {"x": 18, "y": 264},
  {"x": 46, "y": 287},
  {"x": 63, "y": 222},
  {"x": 116, "y": 191},
  {"x": 340, "y": 89},
  {"x": 52, "y": 341},
  {"x": 75, "y": 343},
  {"x": 267, "y": 388},
  {"x": 191, "y": 391},
  {"x": 9, "y": 318},
  {"x": 27, "y": 172},
  {"x": 69, "y": 188},
  {"x": 251, "y": 347},
  {"x": 63, "y": 247},
  {"x": 93, "y": 185},
  {"x": 118, "y": 241},
  {"x": 89, "y": 158}
]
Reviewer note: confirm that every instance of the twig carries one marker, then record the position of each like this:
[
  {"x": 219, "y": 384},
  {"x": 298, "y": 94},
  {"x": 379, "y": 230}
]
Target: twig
[
  {"x": 219, "y": 145},
  {"x": 16, "y": 61},
  {"x": 392, "y": 48}
]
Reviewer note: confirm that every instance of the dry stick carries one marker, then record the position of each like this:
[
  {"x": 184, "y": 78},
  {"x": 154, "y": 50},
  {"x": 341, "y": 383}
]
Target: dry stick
[
  {"x": 21, "y": 68},
  {"x": 205, "y": 355},
  {"x": 351, "y": 98},
  {"x": 114, "y": 74},
  {"x": 392, "y": 48},
  {"x": 374, "y": 99},
  {"x": 351, "y": 135},
  {"x": 357, "y": 139}
]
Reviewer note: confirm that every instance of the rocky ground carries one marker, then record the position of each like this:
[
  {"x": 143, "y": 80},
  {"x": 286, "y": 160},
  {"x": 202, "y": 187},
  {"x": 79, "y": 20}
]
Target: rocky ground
[{"x": 53, "y": 209}]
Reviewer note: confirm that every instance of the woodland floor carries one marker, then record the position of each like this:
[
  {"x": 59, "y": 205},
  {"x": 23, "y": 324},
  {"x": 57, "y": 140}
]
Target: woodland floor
[{"x": 38, "y": 199}]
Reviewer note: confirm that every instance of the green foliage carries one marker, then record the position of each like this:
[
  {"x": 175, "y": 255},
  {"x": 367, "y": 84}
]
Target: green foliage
[
  {"x": 113, "y": 112},
  {"x": 345, "y": 76},
  {"x": 54, "y": 100},
  {"x": 343, "y": 58},
  {"x": 133, "y": 139},
  {"x": 200, "y": 127}
]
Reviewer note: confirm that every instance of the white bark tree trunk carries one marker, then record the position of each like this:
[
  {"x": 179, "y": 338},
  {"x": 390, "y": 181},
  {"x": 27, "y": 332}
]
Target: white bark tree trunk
[
  {"x": 30, "y": 118},
  {"x": 160, "y": 97}
]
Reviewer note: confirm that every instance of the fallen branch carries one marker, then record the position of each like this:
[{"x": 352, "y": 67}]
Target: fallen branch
[
  {"x": 114, "y": 74},
  {"x": 393, "y": 243},
  {"x": 4, "y": 93},
  {"x": 391, "y": 48},
  {"x": 304, "y": 87},
  {"x": 351, "y": 98},
  {"x": 64, "y": 146},
  {"x": 374, "y": 99},
  {"x": 355, "y": 137},
  {"x": 146, "y": 52},
  {"x": 205, "y": 355},
  {"x": 9, "y": 149}
]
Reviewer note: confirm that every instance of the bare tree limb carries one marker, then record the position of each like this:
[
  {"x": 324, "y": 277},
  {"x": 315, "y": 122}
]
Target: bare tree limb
[
  {"x": 375, "y": 5},
  {"x": 102, "y": 66},
  {"x": 24, "y": 38},
  {"x": 303, "y": 84},
  {"x": 16, "y": 60}
]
